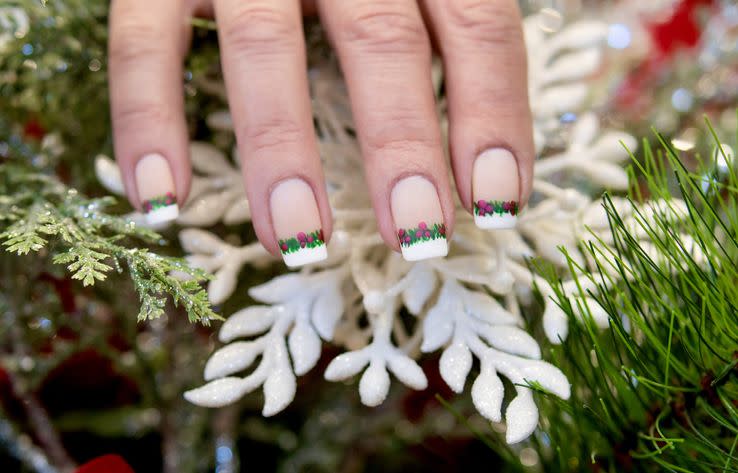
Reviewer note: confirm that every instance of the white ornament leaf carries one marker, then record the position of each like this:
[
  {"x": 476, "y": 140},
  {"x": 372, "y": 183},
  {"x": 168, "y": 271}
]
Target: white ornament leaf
[
  {"x": 208, "y": 159},
  {"x": 613, "y": 147},
  {"x": 194, "y": 240},
  {"x": 346, "y": 365},
  {"x": 224, "y": 283},
  {"x": 511, "y": 340},
  {"x": 108, "y": 173},
  {"x": 252, "y": 320},
  {"x": 231, "y": 359},
  {"x": 438, "y": 327},
  {"x": 561, "y": 98},
  {"x": 598, "y": 313},
  {"x": 280, "y": 385},
  {"x": 326, "y": 311},
  {"x": 606, "y": 174},
  {"x": 547, "y": 375},
  {"x": 581, "y": 34},
  {"x": 574, "y": 65},
  {"x": 584, "y": 131},
  {"x": 205, "y": 210},
  {"x": 374, "y": 384},
  {"x": 280, "y": 289},
  {"x": 521, "y": 417},
  {"x": 304, "y": 346},
  {"x": 455, "y": 363},
  {"x": 238, "y": 212},
  {"x": 422, "y": 284},
  {"x": 555, "y": 323},
  {"x": 407, "y": 371},
  {"x": 218, "y": 393},
  {"x": 487, "y": 309},
  {"x": 487, "y": 394}
]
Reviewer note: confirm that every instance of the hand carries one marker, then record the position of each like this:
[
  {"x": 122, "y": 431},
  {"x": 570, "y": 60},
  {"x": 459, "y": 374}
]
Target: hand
[{"x": 384, "y": 47}]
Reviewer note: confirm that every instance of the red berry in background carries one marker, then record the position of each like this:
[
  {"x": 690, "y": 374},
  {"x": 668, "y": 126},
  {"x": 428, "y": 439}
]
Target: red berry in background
[
  {"x": 422, "y": 225},
  {"x": 482, "y": 212},
  {"x": 320, "y": 235},
  {"x": 401, "y": 233},
  {"x": 310, "y": 239},
  {"x": 442, "y": 229},
  {"x": 301, "y": 236},
  {"x": 284, "y": 246},
  {"x": 418, "y": 234},
  {"x": 106, "y": 464},
  {"x": 407, "y": 239},
  {"x": 302, "y": 244},
  {"x": 33, "y": 129},
  {"x": 482, "y": 204},
  {"x": 427, "y": 234}
]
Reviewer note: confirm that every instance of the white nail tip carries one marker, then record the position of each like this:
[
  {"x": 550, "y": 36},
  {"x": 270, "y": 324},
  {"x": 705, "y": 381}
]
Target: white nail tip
[
  {"x": 496, "y": 221},
  {"x": 425, "y": 249},
  {"x": 305, "y": 256},
  {"x": 163, "y": 214}
]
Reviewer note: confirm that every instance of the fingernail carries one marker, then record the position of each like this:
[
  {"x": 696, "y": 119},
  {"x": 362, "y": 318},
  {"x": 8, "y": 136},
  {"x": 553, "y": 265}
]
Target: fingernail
[
  {"x": 297, "y": 223},
  {"x": 418, "y": 219},
  {"x": 495, "y": 189},
  {"x": 156, "y": 189}
]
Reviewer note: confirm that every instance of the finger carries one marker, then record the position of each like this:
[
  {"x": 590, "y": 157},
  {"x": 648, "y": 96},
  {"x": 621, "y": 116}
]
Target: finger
[
  {"x": 146, "y": 47},
  {"x": 490, "y": 127},
  {"x": 385, "y": 55},
  {"x": 264, "y": 65}
]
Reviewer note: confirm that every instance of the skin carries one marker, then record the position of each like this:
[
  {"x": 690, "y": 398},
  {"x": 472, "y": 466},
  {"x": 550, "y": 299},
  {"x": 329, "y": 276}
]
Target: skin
[{"x": 382, "y": 45}]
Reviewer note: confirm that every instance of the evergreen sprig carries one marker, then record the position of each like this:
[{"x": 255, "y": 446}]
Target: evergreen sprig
[
  {"x": 37, "y": 209},
  {"x": 658, "y": 391}
]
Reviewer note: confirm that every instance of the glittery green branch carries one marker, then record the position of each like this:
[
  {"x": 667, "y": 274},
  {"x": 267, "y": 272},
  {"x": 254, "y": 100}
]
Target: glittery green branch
[{"x": 39, "y": 212}]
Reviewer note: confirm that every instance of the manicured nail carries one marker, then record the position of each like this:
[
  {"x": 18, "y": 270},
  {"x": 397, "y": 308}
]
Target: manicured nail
[
  {"x": 297, "y": 223},
  {"x": 418, "y": 219},
  {"x": 156, "y": 189},
  {"x": 495, "y": 189}
]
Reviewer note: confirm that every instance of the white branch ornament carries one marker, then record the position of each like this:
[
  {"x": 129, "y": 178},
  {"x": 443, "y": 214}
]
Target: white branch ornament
[{"x": 468, "y": 304}]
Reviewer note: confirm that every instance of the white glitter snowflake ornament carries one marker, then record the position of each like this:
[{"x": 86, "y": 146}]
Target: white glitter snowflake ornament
[{"x": 467, "y": 305}]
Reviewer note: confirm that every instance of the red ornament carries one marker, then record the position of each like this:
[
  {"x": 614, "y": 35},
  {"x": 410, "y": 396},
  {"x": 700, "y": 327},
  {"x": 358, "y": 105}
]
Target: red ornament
[{"x": 106, "y": 464}]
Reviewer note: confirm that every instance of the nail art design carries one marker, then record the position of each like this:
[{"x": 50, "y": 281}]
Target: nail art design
[
  {"x": 156, "y": 189},
  {"x": 303, "y": 248},
  {"x": 495, "y": 189},
  {"x": 302, "y": 241},
  {"x": 159, "y": 202},
  {"x": 294, "y": 210},
  {"x": 423, "y": 241},
  {"x": 161, "y": 209},
  {"x": 415, "y": 202}
]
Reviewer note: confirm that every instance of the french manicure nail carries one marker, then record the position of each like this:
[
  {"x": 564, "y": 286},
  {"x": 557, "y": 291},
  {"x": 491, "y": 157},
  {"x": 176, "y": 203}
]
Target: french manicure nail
[
  {"x": 297, "y": 223},
  {"x": 156, "y": 189},
  {"x": 495, "y": 189},
  {"x": 418, "y": 218}
]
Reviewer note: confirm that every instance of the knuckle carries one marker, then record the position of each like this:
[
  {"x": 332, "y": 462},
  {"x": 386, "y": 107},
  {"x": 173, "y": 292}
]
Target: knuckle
[
  {"x": 259, "y": 27},
  {"x": 485, "y": 23},
  {"x": 384, "y": 27},
  {"x": 271, "y": 134},
  {"x": 137, "y": 115},
  {"x": 402, "y": 132},
  {"x": 135, "y": 38}
]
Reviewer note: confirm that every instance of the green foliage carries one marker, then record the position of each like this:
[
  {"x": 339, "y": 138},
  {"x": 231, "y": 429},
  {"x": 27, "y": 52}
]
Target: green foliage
[
  {"x": 37, "y": 209},
  {"x": 658, "y": 391}
]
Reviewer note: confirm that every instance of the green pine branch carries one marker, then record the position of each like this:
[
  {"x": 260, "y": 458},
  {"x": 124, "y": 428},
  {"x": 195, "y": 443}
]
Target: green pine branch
[
  {"x": 38, "y": 212},
  {"x": 658, "y": 391}
]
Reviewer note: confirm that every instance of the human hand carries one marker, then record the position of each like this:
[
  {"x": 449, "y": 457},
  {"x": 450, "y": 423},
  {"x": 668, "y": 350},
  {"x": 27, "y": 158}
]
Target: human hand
[{"x": 384, "y": 47}]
